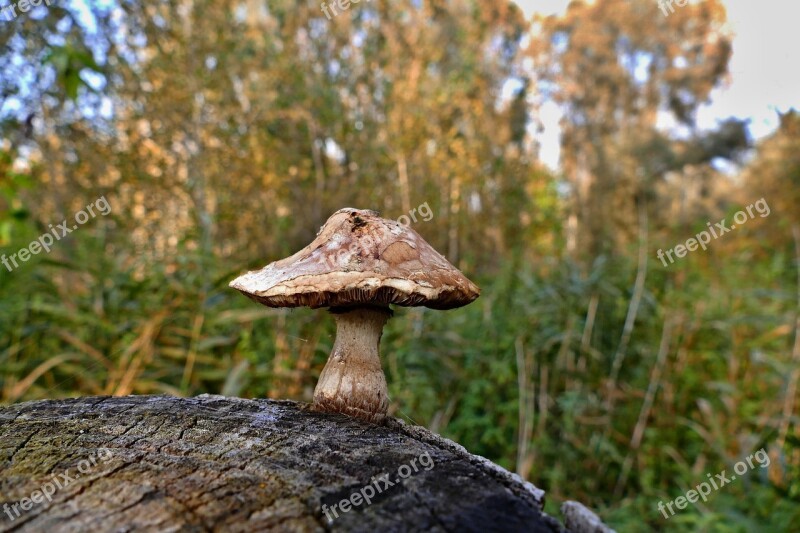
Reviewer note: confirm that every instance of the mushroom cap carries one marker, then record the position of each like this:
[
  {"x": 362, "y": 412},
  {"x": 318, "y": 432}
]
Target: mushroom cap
[{"x": 359, "y": 258}]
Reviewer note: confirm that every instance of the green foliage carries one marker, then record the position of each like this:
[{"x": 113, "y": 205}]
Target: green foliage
[
  {"x": 13, "y": 213},
  {"x": 69, "y": 62},
  {"x": 124, "y": 326}
]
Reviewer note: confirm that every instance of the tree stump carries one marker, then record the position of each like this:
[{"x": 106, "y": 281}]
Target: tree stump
[{"x": 210, "y": 463}]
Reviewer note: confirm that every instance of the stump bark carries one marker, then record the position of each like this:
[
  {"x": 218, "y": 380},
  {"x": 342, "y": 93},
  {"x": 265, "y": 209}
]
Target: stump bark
[{"x": 210, "y": 463}]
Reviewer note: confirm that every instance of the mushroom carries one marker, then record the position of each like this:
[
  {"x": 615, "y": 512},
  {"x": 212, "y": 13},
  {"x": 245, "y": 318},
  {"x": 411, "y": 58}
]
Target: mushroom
[{"x": 357, "y": 266}]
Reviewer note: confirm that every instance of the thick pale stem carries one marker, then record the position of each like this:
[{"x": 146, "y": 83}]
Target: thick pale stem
[{"x": 352, "y": 381}]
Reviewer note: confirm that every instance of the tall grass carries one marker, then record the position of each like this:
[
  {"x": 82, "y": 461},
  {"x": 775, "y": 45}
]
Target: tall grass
[{"x": 523, "y": 376}]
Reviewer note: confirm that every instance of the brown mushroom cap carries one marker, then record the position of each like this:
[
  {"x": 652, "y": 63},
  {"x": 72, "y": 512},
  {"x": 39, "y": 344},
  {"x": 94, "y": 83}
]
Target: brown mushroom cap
[{"x": 359, "y": 258}]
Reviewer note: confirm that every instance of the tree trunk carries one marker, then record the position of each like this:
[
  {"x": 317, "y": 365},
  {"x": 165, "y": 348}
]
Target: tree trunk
[{"x": 158, "y": 463}]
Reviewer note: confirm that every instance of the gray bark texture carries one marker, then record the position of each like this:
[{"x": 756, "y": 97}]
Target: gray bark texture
[{"x": 210, "y": 463}]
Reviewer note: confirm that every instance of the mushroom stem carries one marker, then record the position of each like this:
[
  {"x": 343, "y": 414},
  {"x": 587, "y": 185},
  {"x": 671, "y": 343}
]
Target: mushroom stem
[{"x": 352, "y": 381}]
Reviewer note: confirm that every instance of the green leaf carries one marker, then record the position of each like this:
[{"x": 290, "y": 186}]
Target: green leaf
[{"x": 71, "y": 83}]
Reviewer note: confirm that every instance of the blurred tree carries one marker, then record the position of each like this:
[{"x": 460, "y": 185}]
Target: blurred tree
[
  {"x": 774, "y": 174},
  {"x": 620, "y": 69},
  {"x": 221, "y": 126}
]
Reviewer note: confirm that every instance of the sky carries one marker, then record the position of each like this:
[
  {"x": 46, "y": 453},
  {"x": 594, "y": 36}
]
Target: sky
[{"x": 764, "y": 68}]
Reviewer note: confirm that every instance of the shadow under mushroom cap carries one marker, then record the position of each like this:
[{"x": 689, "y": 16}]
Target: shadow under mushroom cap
[{"x": 360, "y": 258}]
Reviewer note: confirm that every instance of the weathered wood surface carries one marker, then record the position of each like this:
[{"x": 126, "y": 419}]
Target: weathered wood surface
[{"x": 158, "y": 463}]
